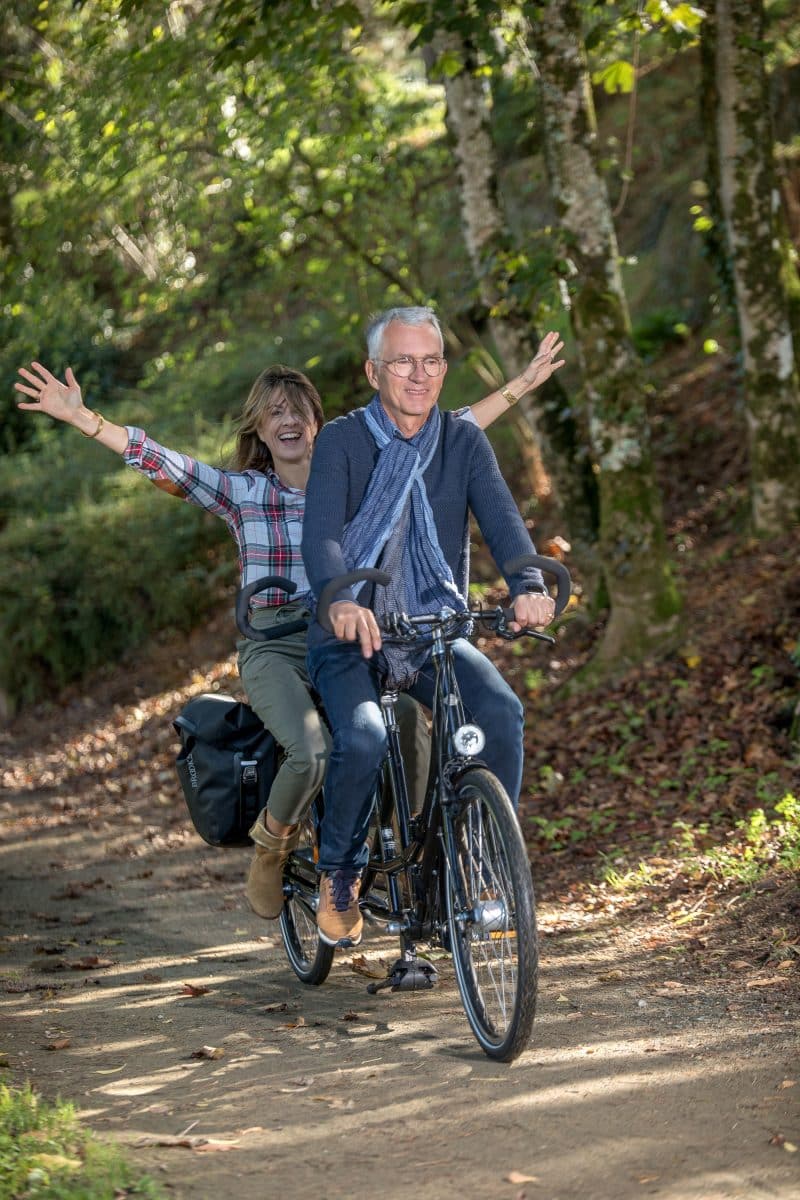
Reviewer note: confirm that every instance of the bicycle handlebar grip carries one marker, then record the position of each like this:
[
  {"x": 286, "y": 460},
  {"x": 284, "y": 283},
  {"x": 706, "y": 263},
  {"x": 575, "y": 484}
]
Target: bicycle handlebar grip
[
  {"x": 551, "y": 566},
  {"x": 245, "y": 595},
  {"x": 367, "y": 575}
]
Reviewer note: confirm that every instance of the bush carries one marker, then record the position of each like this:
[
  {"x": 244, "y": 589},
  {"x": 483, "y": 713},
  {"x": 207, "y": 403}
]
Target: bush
[{"x": 80, "y": 590}]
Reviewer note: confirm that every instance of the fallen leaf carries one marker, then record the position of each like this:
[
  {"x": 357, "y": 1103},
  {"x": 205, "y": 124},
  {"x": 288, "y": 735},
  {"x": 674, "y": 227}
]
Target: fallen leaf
[
  {"x": 284, "y": 1007},
  {"x": 194, "y": 989},
  {"x": 151, "y": 977},
  {"x": 208, "y": 1145},
  {"x": 58, "y": 1044},
  {"x": 298, "y": 1024},
  {"x": 741, "y": 964},
  {"x": 208, "y": 1052},
  {"x": 350, "y": 1016},
  {"x": 607, "y": 976},
  {"x": 562, "y": 1000},
  {"x": 361, "y": 966},
  {"x": 518, "y": 1177},
  {"x": 333, "y": 1101},
  {"x": 773, "y": 981},
  {"x": 90, "y": 963},
  {"x": 648, "y": 1178},
  {"x": 298, "y": 1085},
  {"x": 787, "y": 1083}
]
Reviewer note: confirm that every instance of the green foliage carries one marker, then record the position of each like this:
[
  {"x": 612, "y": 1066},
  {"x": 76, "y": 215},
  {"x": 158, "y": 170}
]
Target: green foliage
[
  {"x": 656, "y": 331},
  {"x": 46, "y": 1155},
  {"x": 82, "y": 589},
  {"x": 759, "y": 842}
]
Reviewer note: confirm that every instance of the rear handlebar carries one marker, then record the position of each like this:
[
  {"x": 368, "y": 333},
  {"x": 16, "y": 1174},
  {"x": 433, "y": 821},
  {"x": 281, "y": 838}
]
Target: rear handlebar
[{"x": 245, "y": 595}]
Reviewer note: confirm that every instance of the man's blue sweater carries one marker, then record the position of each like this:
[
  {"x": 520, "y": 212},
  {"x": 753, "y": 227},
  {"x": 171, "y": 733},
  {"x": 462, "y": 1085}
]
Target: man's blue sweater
[{"x": 462, "y": 477}]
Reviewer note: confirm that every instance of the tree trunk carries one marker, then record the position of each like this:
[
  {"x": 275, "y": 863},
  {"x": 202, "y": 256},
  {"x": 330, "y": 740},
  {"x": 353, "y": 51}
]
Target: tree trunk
[
  {"x": 643, "y": 596},
  {"x": 546, "y": 418},
  {"x": 750, "y": 204}
]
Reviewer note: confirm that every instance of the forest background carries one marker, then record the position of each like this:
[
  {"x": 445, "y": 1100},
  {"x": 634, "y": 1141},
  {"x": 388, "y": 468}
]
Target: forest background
[{"x": 190, "y": 191}]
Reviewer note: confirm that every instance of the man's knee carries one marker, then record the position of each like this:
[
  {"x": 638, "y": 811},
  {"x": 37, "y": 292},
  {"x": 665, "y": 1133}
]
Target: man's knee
[{"x": 363, "y": 742}]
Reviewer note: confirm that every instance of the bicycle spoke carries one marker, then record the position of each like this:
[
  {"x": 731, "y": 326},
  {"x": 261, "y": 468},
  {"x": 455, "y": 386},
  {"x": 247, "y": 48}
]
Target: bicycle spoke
[{"x": 490, "y": 902}]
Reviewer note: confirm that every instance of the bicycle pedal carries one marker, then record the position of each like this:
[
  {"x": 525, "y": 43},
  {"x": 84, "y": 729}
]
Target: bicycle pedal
[{"x": 407, "y": 976}]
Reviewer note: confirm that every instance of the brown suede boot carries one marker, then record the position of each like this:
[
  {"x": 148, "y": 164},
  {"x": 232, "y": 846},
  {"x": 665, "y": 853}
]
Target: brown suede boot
[{"x": 264, "y": 889}]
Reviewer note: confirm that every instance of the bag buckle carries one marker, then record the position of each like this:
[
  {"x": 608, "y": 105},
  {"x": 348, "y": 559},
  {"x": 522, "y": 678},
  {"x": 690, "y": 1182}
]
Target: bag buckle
[{"x": 249, "y": 767}]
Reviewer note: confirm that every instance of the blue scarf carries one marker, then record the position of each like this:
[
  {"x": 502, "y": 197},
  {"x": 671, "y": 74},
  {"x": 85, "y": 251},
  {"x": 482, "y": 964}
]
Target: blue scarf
[{"x": 394, "y": 528}]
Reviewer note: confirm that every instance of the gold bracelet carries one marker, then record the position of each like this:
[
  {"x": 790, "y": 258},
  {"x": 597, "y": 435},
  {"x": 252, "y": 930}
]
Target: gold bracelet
[
  {"x": 100, "y": 423},
  {"x": 509, "y": 396}
]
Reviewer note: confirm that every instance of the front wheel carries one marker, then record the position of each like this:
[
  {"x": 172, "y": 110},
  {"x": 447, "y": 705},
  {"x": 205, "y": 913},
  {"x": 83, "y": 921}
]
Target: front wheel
[
  {"x": 491, "y": 915},
  {"x": 311, "y": 958}
]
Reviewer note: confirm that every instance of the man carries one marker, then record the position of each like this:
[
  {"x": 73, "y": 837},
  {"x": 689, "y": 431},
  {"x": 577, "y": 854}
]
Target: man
[{"x": 392, "y": 485}]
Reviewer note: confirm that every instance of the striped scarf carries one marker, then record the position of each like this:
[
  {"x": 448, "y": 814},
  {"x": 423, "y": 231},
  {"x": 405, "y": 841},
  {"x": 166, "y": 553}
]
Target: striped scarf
[{"x": 394, "y": 528}]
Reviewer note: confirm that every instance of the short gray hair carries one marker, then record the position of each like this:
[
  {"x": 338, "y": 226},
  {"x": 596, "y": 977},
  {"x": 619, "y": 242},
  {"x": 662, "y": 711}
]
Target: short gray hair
[{"x": 404, "y": 316}]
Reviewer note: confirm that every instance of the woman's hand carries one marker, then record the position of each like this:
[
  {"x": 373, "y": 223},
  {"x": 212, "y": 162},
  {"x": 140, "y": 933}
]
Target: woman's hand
[
  {"x": 544, "y": 364},
  {"x": 49, "y": 395}
]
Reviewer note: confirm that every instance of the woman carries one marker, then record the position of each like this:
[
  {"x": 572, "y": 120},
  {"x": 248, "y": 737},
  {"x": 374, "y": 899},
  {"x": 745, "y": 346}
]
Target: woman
[{"x": 262, "y": 501}]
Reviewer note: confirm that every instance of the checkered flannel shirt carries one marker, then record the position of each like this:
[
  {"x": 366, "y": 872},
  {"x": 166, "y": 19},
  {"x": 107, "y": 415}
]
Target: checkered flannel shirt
[{"x": 264, "y": 516}]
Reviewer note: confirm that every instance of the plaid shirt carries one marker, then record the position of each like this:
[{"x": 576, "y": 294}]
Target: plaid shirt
[{"x": 264, "y": 516}]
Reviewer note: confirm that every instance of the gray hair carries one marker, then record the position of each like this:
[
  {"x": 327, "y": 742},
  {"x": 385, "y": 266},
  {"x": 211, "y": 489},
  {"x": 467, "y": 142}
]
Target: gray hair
[{"x": 404, "y": 316}]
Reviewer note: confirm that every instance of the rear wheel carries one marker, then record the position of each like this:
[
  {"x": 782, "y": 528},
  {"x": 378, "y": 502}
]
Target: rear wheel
[
  {"x": 491, "y": 916},
  {"x": 311, "y": 958}
]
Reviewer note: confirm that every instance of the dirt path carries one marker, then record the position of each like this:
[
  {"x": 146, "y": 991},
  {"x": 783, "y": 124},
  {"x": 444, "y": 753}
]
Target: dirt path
[
  {"x": 664, "y": 1061},
  {"x": 645, "y": 1077}
]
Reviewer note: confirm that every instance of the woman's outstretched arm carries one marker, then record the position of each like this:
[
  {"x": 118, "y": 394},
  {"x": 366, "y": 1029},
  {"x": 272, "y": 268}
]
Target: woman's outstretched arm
[
  {"x": 538, "y": 370},
  {"x": 170, "y": 471},
  {"x": 64, "y": 402}
]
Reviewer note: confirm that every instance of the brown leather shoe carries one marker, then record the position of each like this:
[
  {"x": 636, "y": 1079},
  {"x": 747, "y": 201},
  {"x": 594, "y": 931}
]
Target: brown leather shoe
[
  {"x": 264, "y": 888},
  {"x": 339, "y": 919}
]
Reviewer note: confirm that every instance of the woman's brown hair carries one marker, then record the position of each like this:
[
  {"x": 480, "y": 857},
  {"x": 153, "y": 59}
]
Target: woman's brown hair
[{"x": 274, "y": 384}]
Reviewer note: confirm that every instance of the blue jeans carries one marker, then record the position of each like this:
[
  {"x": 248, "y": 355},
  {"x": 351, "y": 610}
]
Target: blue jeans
[{"x": 349, "y": 686}]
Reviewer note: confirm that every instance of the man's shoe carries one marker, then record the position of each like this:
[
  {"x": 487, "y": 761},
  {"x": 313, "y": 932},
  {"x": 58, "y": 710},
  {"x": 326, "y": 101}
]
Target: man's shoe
[
  {"x": 339, "y": 919},
  {"x": 264, "y": 889}
]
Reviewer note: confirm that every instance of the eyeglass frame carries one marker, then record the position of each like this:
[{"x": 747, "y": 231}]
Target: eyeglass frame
[{"x": 389, "y": 363}]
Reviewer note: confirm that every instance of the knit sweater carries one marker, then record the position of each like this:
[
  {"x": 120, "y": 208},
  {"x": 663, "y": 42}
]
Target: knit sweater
[{"x": 463, "y": 477}]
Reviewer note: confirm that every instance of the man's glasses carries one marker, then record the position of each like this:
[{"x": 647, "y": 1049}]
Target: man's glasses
[{"x": 403, "y": 367}]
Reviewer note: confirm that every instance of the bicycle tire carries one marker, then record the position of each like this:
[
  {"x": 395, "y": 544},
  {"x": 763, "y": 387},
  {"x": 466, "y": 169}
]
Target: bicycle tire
[
  {"x": 493, "y": 934},
  {"x": 309, "y": 957}
]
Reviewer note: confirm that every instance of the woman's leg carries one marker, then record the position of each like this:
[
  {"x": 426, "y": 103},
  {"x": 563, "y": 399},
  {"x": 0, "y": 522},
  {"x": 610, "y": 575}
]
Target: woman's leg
[
  {"x": 415, "y": 746},
  {"x": 276, "y": 682},
  {"x": 275, "y": 679}
]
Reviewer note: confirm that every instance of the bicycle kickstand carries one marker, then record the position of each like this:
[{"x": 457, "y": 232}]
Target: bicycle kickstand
[{"x": 409, "y": 974}]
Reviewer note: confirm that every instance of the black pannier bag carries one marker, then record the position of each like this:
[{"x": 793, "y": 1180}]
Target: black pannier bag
[{"x": 226, "y": 766}]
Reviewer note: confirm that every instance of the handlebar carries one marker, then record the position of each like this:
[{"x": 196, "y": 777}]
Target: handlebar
[
  {"x": 367, "y": 575},
  {"x": 371, "y": 575},
  {"x": 550, "y": 566},
  {"x": 245, "y": 595}
]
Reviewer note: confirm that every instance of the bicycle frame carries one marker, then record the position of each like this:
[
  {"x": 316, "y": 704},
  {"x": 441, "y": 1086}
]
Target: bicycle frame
[{"x": 424, "y": 836}]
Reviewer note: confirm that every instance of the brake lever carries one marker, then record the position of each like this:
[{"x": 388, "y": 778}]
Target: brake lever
[{"x": 497, "y": 623}]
